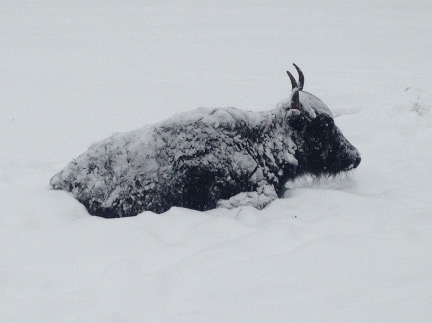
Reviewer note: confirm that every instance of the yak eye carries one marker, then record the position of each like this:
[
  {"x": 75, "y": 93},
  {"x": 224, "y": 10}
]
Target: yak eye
[
  {"x": 327, "y": 126},
  {"x": 329, "y": 123}
]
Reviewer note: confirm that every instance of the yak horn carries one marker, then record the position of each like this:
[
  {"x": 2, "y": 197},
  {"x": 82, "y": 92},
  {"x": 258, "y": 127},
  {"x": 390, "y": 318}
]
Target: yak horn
[
  {"x": 293, "y": 81},
  {"x": 295, "y": 101},
  {"x": 301, "y": 77}
]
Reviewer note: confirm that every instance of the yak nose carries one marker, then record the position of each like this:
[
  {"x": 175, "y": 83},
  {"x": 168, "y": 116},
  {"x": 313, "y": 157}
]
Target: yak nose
[{"x": 357, "y": 162}]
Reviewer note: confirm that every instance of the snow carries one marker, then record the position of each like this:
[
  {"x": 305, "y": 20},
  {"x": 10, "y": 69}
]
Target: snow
[{"x": 350, "y": 249}]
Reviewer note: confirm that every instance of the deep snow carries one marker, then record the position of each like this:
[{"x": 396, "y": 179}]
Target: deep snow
[{"x": 356, "y": 248}]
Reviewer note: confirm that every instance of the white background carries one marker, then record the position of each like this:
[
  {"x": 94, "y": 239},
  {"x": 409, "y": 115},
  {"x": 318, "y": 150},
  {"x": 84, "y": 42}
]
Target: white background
[{"x": 353, "y": 249}]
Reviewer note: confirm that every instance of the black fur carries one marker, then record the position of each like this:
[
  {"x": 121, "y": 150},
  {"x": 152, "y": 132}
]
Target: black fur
[{"x": 208, "y": 158}]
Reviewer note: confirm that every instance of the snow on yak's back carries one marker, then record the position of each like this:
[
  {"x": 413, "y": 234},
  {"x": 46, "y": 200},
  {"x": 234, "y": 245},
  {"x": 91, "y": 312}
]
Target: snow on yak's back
[{"x": 208, "y": 158}]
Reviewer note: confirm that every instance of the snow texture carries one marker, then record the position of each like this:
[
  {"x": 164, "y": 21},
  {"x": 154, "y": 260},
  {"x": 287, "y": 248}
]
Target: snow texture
[
  {"x": 354, "y": 248},
  {"x": 207, "y": 158}
]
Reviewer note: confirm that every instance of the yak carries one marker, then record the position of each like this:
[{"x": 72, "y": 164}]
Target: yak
[{"x": 210, "y": 157}]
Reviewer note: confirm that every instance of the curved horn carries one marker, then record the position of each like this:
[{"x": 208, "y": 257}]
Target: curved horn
[
  {"x": 295, "y": 100},
  {"x": 301, "y": 77},
  {"x": 293, "y": 81}
]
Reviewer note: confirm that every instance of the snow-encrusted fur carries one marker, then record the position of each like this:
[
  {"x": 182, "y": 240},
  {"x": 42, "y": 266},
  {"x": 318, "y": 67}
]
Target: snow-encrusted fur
[{"x": 208, "y": 158}]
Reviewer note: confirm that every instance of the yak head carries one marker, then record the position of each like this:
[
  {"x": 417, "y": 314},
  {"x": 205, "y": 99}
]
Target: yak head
[{"x": 321, "y": 147}]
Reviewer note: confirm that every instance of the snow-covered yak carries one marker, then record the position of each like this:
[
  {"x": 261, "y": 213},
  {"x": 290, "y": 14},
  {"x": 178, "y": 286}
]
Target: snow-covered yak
[{"x": 208, "y": 158}]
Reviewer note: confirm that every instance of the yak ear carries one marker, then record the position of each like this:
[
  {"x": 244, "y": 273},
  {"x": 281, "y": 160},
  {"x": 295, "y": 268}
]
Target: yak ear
[{"x": 296, "y": 119}]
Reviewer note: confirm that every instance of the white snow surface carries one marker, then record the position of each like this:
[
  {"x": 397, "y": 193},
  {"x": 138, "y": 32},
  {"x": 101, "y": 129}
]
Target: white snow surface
[{"x": 355, "y": 248}]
